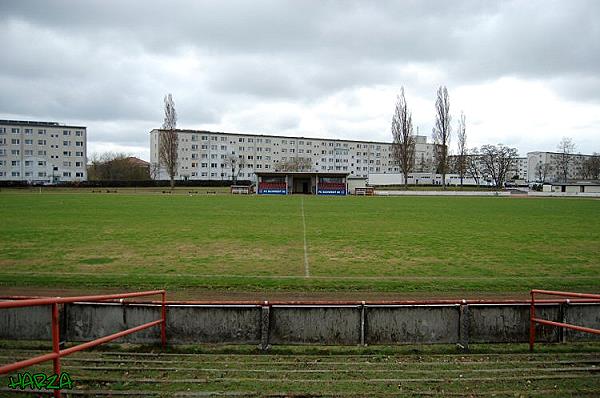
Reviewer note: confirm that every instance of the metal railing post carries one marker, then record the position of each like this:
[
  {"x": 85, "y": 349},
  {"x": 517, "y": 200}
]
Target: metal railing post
[
  {"x": 532, "y": 322},
  {"x": 163, "y": 326},
  {"x": 56, "y": 344}
]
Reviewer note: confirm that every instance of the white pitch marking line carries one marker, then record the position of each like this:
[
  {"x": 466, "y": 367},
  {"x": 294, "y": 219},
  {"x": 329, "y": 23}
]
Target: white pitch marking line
[{"x": 306, "y": 269}]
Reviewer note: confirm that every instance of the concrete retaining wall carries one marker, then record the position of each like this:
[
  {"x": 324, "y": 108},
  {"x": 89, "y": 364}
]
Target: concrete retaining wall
[
  {"x": 303, "y": 324},
  {"x": 441, "y": 193},
  {"x": 565, "y": 194}
]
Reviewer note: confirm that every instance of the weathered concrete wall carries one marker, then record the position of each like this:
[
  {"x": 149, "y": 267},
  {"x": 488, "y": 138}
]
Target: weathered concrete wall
[
  {"x": 29, "y": 323},
  {"x": 582, "y": 315},
  {"x": 320, "y": 325},
  {"x": 89, "y": 321},
  {"x": 510, "y": 323},
  {"x": 412, "y": 324},
  {"x": 203, "y": 324},
  {"x": 185, "y": 324},
  {"x": 297, "y": 324}
]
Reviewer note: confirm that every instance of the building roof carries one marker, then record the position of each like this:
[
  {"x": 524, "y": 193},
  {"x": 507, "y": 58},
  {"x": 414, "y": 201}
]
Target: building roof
[
  {"x": 560, "y": 153},
  {"x": 137, "y": 162},
  {"x": 37, "y": 124},
  {"x": 280, "y": 136},
  {"x": 591, "y": 183}
]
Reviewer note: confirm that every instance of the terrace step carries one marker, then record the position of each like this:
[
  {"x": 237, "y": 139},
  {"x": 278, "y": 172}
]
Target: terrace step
[{"x": 133, "y": 374}]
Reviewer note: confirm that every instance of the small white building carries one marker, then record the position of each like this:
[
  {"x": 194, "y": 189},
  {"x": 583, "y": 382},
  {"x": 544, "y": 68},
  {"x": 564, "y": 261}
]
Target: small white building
[{"x": 578, "y": 187}]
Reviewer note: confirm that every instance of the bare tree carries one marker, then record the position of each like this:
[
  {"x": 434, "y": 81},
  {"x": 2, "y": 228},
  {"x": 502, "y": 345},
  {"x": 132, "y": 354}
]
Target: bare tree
[
  {"x": 497, "y": 161},
  {"x": 169, "y": 140},
  {"x": 295, "y": 164},
  {"x": 542, "y": 171},
  {"x": 154, "y": 171},
  {"x": 462, "y": 152},
  {"x": 442, "y": 132},
  {"x": 113, "y": 166},
  {"x": 473, "y": 165},
  {"x": 235, "y": 164},
  {"x": 590, "y": 167},
  {"x": 565, "y": 157},
  {"x": 423, "y": 164},
  {"x": 404, "y": 141}
]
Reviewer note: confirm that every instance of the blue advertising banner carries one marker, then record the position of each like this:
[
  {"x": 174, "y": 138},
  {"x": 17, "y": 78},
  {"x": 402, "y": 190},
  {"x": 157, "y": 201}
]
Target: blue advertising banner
[
  {"x": 272, "y": 191},
  {"x": 331, "y": 192}
]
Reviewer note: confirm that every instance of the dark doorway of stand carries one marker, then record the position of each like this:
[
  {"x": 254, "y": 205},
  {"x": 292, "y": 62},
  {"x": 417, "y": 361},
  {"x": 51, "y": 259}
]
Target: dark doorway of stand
[{"x": 302, "y": 185}]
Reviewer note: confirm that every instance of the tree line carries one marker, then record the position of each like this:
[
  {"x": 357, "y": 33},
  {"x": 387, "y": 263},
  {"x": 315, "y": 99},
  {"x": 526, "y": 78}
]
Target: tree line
[
  {"x": 495, "y": 162},
  {"x": 114, "y": 166}
]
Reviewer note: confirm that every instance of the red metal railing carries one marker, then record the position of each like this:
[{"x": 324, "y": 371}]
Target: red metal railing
[
  {"x": 57, "y": 353},
  {"x": 533, "y": 320}
]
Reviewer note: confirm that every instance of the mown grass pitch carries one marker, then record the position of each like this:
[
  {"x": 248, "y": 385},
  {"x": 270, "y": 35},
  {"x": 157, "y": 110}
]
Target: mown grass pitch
[{"x": 427, "y": 244}]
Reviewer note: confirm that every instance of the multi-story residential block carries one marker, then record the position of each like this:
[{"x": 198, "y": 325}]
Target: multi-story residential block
[
  {"x": 477, "y": 172},
  {"x": 44, "y": 152},
  {"x": 206, "y": 155},
  {"x": 550, "y": 166},
  {"x": 521, "y": 170}
]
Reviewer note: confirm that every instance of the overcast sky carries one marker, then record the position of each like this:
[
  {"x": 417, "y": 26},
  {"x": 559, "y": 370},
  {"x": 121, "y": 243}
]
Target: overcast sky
[{"x": 525, "y": 73}]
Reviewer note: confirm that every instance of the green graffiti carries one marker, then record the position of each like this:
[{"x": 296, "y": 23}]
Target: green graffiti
[{"x": 40, "y": 381}]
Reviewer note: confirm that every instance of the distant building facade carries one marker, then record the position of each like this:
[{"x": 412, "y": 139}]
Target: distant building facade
[
  {"x": 44, "y": 152},
  {"x": 547, "y": 166},
  {"x": 204, "y": 155},
  {"x": 476, "y": 173}
]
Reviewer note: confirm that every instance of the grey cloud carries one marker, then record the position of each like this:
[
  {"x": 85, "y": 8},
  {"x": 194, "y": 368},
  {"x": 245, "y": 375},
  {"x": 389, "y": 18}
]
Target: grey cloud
[{"x": 106, "y": 60}]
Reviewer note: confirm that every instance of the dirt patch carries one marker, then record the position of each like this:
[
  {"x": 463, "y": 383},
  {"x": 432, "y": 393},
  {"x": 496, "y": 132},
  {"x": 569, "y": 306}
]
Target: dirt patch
[{"x": 97, "y": 260}]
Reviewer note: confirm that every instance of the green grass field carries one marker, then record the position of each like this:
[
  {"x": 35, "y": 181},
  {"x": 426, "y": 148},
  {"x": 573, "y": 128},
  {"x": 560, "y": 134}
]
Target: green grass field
[{"x": 254, "y": 243}]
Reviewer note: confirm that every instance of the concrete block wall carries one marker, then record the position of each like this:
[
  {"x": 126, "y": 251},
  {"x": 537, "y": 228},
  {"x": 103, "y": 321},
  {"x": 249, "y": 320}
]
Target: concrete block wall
[{"x": 306, "y": 324}]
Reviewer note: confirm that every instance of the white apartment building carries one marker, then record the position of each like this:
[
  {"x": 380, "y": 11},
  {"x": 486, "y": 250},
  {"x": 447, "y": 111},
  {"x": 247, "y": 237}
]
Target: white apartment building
[
  {"x": 203, "y": 155},
  {"x": 44, "y": 152},
  {"x": 518, "y": 171},
  {"x": 546, "y": 166}
]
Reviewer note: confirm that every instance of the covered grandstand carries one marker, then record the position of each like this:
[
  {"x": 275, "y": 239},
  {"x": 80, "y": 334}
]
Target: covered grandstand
[{"x": 294, "y": 182}]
